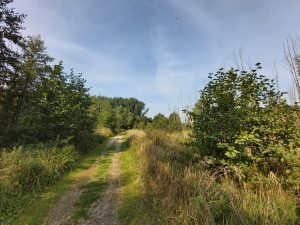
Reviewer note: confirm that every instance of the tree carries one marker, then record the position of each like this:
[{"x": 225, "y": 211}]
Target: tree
[
  {"x": 118, "y": 113},
  {"x": 160, "y": 122},
  {"x": 174, "y": 122},
  {"x": 101, "y": 110},
  {"x": 122, "y": 119},
  {"x": 243, "y": 120},
  {"x": 47, "y": 104},
  {"x": 10, "y": 35}
]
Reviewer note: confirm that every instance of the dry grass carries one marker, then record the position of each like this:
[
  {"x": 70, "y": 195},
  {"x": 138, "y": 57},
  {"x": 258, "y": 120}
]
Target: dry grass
[
  {"x": 104, "y": 132},
  {"x": 178, "y": 191},
  {"x": 135, "y": 133}
]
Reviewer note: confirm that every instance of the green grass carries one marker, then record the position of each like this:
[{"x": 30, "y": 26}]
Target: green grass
[
  {"x": 94, "y": 190},
  {"x": 35, "y": 211},
  {"x": 132, "y": 210}
]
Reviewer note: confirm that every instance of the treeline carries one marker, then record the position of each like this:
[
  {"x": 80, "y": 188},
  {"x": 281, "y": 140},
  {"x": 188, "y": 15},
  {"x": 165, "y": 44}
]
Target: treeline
[
  {"x": 172, "y": 123},
  {"x": 119, "y": 114},
  {"x": 39, "y": 101}
]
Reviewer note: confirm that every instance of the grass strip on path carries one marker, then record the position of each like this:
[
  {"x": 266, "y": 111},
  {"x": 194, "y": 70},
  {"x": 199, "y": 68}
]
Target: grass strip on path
[{"x": 94, "y": 190}]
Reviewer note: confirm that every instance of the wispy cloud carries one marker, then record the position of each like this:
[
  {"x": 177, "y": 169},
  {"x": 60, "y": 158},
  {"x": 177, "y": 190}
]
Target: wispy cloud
[
  {"x": 174, "y": 79},
  {"x": 97, "y": 67},
  {"x": 160, "y": 51}
]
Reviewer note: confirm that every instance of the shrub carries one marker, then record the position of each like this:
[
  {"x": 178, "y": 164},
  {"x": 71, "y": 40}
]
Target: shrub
[
  {"x": 242, "y": 123},
  {"x": 85, "y": 140}
]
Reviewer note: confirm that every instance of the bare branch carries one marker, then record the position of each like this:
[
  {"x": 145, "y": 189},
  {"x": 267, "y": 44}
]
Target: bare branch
[{"x": 292, "y": 59}]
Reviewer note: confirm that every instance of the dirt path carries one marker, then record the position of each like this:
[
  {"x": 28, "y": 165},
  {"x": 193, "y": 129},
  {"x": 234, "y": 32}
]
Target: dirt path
[{"x": 102, "y": 212}]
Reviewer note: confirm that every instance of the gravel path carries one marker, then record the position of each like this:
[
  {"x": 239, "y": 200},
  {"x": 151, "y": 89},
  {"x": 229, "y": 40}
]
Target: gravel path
[{"x": 102, "y": 212}]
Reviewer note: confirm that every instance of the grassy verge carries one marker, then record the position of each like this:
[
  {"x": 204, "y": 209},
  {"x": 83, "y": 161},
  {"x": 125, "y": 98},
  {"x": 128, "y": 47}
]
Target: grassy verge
[
  {"x": 35, "y": 211},
  {"x": 94, "y": 190},
  {"x": 132, "y": 210},
  {"x": 162, "y": 186}
]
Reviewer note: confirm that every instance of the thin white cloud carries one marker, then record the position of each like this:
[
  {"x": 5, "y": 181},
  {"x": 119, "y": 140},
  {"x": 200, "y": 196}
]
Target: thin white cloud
[
  {"x": 99, "y": 68},
  {"x": 190, "y": 39},
  {"x": 173, "y": 76}
]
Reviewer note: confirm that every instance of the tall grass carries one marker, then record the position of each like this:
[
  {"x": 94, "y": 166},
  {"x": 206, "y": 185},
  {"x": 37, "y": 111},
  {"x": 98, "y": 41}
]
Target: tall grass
[
  {"x": 25, "y": 171},
  {"x": 179, "y": 191}
]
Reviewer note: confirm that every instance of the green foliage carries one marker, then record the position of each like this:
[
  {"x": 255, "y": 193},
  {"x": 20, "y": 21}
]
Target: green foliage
[
  {"x": 171, "y": 124},
  {"x": 29, "y": 170},
  {"x": 45, "y": 103},
  {"x": 175, "y": 122},
  {"x": 45, "y": 200},
  {"x": 160, "y": 122},
  {"x": 118, "y": 113},
  {"x": 85, "y": 141},
  {"x": 10, "y": 33},
  {"x": 175, "y": 190},
  {"x": 243, "y": 124}
]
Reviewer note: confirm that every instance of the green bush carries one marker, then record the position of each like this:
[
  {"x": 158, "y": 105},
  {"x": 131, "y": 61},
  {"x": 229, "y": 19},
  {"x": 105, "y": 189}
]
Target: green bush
[
  {"x": 243, "y": 125},
  {"x": 85, "y": 140}
]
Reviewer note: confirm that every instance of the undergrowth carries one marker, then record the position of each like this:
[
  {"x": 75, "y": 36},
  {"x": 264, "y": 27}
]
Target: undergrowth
[
  {"x": 174, "y": 190},
  {"x": 27, "y": 171}
]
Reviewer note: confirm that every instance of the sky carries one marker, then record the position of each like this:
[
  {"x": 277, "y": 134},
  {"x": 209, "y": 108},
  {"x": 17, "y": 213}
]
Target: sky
[{"x": 161, "y": 51}]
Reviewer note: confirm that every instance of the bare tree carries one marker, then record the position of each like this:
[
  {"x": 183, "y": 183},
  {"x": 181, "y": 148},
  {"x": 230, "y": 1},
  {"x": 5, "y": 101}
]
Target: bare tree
[
  {"x": 241, "y": 60},
  {"x": 292, "y": 59},
  {"x": 276, "y": 75}
]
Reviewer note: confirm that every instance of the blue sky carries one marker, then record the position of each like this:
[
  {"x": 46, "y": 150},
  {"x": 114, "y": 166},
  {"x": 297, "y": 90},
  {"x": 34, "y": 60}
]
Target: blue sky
[{"x": 161, "y": 51}]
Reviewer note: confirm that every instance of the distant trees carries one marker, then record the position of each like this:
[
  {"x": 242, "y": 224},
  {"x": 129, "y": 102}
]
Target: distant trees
[
  {"x": 175, "y": 122},
  {"x": 39, "y": 102},
  {"x": 126, "y": 113},
  {"x": 171, "y": 123},
  {"x": 118, "y": 113},
  {"x": 160, "y": 122},
  {"x": 243, "y": 121}
]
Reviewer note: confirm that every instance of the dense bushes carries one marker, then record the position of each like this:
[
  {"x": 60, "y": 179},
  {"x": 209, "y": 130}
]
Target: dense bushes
[
  {"x": 178, "y": 191},
  {"x": 23, "y": 171},
  {"x": 243, "y": 125}
]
